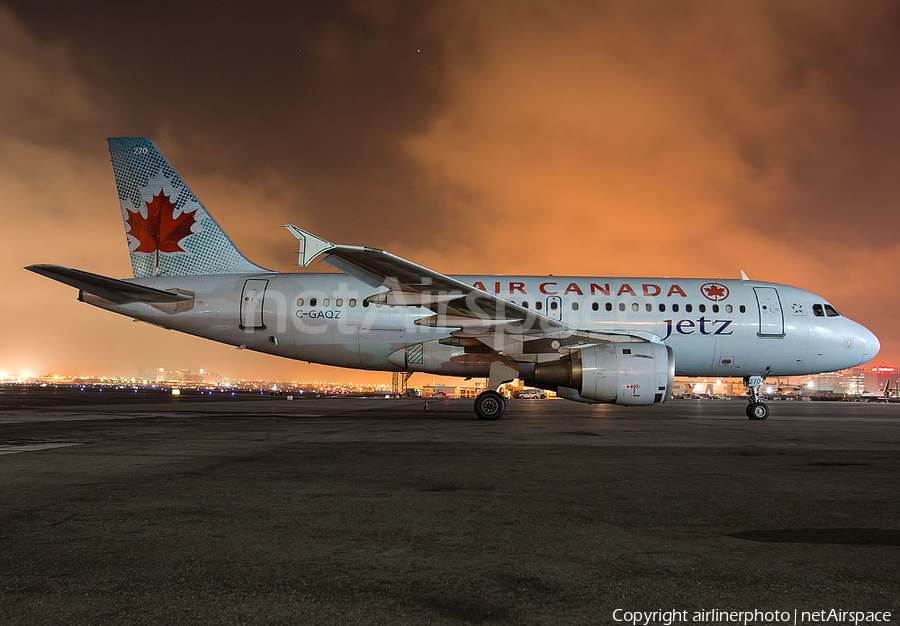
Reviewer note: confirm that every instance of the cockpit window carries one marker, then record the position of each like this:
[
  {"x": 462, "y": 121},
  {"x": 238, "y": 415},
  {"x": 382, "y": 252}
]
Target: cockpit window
[
  {"x": 818, "y": 311},
  {"x": 830, "y": 312}
]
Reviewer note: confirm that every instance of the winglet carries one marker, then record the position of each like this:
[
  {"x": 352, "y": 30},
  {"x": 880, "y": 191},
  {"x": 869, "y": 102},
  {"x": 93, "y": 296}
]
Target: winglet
[
  {"x": 310, "y": 245},
  {"x": 744, "y": 275}
]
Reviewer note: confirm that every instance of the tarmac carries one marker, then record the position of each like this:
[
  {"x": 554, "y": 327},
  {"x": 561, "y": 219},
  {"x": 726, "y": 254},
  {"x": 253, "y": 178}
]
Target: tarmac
[{"x": 259, "y": 510}]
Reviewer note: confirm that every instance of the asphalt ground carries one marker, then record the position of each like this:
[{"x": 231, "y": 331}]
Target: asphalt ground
[{"x": 119, "y": 509}]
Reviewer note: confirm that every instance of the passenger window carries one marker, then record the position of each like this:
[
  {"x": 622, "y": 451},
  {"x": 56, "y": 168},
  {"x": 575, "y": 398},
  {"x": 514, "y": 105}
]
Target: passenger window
[
  {"x": 743, "y": 309},
  {"x": 352, "y": 301},
  {"x": 635, "y": 306},
  {"x": 621, "y": 306},
  {"x": 649, "y": 307},
  {"x": 715, "y": 308},
  {"x": 299, "y": 301},
  {"x": 574, "y": 306},
  {"x": 662, "y": 308},
  {"x": 553, "y": 305},
  {"x": 729, "y": 308},
  {"x": 525, "y": 304},
  {"x": 365, "y": 304},
  {"x": 339, "y": 302},
  {"x": 675, "y": 308},
  {"x": 702, "y": 308},
  {"x": 830, "y": 311},
  {"x": 312, "y": 302},
  {"x": 818, "y": 311},
  {"x": 595, "y": 306},
  {"x": 326, "y": 302},
  {"x": 538, "y": 305},
  {"x": 609, "y": 306},
  {"x": 688, "y": 307}
]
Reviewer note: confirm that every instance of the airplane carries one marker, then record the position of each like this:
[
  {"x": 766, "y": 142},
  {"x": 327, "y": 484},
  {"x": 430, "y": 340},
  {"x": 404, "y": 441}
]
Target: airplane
[
  {"x": 589, "y": 339},
  {"x": 884, "y": 395}
]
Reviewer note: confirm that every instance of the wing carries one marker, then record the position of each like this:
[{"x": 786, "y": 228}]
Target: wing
[{"x": 474, "y": 314}]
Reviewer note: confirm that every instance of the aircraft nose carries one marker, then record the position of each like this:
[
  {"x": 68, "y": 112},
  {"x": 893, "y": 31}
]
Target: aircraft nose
[{"x": 870, "y": 344}]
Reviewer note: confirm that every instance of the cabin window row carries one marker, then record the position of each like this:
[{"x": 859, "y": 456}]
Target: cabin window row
[
  {"x": 327, "y": 302},
  {"x": 675, "y": 308}
]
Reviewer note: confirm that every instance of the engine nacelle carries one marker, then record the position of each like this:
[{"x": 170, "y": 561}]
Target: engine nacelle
[{"x": 615, "y": 373}]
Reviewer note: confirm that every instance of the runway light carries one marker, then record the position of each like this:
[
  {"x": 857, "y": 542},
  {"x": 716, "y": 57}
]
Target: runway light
[{"x": 176, "y": 392}]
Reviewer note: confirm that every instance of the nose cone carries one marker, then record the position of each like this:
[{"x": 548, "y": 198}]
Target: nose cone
[{"x": 870, "y": 344}]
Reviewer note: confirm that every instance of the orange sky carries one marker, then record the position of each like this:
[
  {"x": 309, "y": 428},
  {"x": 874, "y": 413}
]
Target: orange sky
[{"x": 616, "y": 138}]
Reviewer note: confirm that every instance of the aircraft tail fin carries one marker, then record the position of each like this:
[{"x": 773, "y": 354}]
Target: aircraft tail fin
[{"x": 169, "y": 231}]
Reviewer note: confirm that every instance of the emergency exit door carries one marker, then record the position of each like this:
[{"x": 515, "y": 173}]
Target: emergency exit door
[
  {"x": 252, "y": 297},
  {"x": 771, "y": 317},
  {"x": 554, "y": 308}
]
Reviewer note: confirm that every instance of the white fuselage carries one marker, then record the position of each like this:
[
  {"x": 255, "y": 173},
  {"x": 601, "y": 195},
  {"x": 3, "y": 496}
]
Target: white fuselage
[{"x": 715, "y": 327}]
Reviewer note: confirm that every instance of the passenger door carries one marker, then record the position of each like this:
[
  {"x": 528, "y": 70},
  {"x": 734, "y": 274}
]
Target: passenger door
[
  {"x": 771, "y": 317},
  {"x": 252, "y": 296}
]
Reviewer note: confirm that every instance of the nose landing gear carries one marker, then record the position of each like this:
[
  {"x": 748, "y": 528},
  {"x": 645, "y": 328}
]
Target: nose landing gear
[{"x": 756, "y": 410}]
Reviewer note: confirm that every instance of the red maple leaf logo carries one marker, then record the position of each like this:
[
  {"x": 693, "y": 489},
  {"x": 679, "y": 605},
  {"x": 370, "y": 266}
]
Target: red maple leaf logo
[
  {"x": 160, "y": 231},
  {"x": 714, "y": 291}
]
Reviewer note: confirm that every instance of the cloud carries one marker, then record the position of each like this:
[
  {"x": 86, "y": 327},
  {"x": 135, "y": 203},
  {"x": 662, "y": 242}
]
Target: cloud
[
  {"x": 60, "y": 206},
  {"x": 677, "y": 139},
  {"x": 615, "y": 138}
]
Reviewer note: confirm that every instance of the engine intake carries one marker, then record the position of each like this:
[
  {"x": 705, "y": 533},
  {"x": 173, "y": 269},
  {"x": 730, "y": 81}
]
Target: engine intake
[{"x": 614, "y": 373}]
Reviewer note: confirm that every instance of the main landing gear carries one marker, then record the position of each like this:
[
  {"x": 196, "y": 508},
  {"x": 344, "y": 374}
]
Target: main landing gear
[
  {"x": 490, "y": 404},
  {"x": 756, "y": 410}
]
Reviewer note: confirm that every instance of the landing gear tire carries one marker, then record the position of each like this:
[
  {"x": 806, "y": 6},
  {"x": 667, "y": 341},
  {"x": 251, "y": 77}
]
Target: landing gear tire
[
  {"x": 490, "y": 405},
  {"x": 757, "y": 411}
]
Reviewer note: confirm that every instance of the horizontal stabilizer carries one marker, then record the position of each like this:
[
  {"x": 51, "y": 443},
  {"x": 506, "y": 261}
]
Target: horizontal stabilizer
[{"x": 112, "y": 289}]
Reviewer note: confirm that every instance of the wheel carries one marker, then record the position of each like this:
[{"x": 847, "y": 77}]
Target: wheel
[
  {"x": 489, "y": 405},
  {"x": 757, "y": 411}
]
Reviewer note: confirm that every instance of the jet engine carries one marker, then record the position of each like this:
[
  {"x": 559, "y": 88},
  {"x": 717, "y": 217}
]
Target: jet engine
[{"x": 615, "y": 373}]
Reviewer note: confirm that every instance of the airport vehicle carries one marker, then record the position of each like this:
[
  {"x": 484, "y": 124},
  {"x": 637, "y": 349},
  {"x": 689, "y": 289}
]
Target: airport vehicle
[
  {"x": 531, "y": 394},
  {"x": 589, "y": 339}
]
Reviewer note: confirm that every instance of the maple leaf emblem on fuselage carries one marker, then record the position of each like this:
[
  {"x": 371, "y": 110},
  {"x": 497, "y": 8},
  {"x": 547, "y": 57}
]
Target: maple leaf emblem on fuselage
[
  {"x": 714, "y": 291},
  {"x": 160, "y": 231}
]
